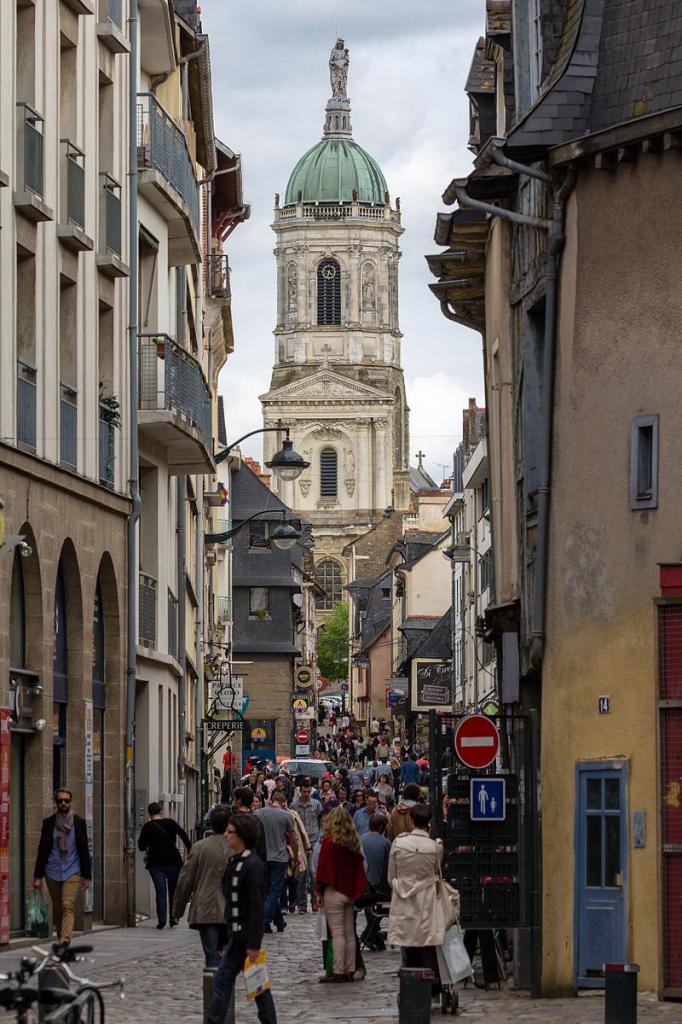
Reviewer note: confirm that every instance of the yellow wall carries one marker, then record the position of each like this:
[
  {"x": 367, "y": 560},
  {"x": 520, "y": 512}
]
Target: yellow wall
[{"x": 617, "y": 357}]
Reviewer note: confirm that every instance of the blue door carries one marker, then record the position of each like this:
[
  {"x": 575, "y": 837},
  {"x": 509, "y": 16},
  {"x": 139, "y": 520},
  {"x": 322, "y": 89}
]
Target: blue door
[{"x": 601, "y": 871}]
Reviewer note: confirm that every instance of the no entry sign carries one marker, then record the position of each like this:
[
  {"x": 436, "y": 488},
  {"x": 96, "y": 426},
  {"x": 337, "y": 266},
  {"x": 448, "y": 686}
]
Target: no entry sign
[
  {"x": 477, "y": 741},
  {"x": 302, "y": 736}
]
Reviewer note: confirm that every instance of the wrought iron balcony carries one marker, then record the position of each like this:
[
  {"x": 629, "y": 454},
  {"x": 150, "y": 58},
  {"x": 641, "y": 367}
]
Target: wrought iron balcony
[
  {"x": 26, "y": 404},
  {"x": 147, "y": 611},
  {"x": 68, "y": 426},
  {"x": 174, "y": 403},
  {"x": 106, "y": 448},
  {"x": 30, "y": 164},
  {"x": 224, "y": 609},
  {"x": 218, "y": 276},
  {"x": 71, "y": 229},
  {"x": 173, "y": 189},
  {"x": 110, "y": 213},
  {"x": 113, "y": 11}
]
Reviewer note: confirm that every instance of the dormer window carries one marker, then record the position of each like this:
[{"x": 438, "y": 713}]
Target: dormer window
[{"x": 328, "y": 293}]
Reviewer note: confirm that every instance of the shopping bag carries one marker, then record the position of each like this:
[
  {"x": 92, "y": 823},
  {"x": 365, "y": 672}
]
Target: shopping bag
[
  {"x": 320, "y": 927},
  {"x": 455, "y": 954},
  {"x": 36, "y": 916},
  {"x": 449, "y": 901},
  {"x": 256, "y": 976}
]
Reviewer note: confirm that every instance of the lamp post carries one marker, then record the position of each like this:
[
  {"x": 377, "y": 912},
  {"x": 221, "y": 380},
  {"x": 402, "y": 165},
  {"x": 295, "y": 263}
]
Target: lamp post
[
  {"x": 286, "y": 464},
  {"x": 283, "y": 536}
]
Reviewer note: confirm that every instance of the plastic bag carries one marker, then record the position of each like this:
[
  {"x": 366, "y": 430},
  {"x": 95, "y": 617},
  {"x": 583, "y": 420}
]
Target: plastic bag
[
  {"x": 37, "y": 924},
  {"x": 455, "y": 955},
  {"x": 256, "y": 976}
]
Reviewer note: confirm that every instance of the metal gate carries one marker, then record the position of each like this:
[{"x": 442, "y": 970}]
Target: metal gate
[
  {"x": 670, "y": 691},
  {"x": 495, "y": 864}
]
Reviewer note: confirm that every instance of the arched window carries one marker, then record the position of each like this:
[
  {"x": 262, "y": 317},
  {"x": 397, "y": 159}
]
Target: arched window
[
  {"x": 329, "y": 576},
  {"x": 60, "y": 685},
  {"x": 329, "y": 292},
  {"x": 328, "y": 473},
  {"x": 17, "y": 616}
]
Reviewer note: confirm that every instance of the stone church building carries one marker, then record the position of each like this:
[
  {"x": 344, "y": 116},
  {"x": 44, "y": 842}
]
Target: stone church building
[{"x": 337, "y": 381}]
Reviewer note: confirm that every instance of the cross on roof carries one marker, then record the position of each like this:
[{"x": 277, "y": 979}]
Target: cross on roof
[{"x": 420, "y": 455}]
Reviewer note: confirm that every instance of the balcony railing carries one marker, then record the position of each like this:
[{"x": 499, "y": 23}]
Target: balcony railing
[
  {"x": 224, "y": 609},
  {"x": 26, "y": 404},
  {"x": 110, "y": 213},
  {"x": 147, "y": 611},
  {"x": 30, "y": 147},
  {"x": 68, "y": 426},
  {"x": 218, "y": 274},
  {"x": 73, "y": 183},
  {"x": 112, "y": 10},
  {"x": 106, "y": 448},
  {"x": 161, "y": 144},
  {"x": 172, "y": 624},
  {"x": 170, "y": 378}
]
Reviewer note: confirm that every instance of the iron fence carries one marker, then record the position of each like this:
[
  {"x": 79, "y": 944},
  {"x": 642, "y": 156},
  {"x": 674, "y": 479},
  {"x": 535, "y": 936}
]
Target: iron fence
[
  {"x": 110, "y": 213},
  {"x": 172, "y": 624},
  {"x": 218, "y": 271},
  {"x": 68, "y": 425},
  {"x": 26, "y": 404},
  {"x": 30, "y": 139},
  {"x": 74, "y": 180},
  {"x": 162, "y": 144},
  {"x": 147, "y": 613},
  {"x": 170, "y": 378},
  {"x": 106, "y": 449}
]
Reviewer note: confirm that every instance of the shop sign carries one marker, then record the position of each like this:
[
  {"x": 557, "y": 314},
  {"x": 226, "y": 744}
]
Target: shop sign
[
  {"x": 89, "y": 792},
  {"x": 431, "y": 684},
  {"x": 5, "y": 739},
  {"x": 304, "y": 676}
]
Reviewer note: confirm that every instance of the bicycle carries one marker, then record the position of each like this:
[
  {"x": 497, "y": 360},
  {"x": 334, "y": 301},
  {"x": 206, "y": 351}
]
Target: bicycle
[{"x": 75, "y": 1000}]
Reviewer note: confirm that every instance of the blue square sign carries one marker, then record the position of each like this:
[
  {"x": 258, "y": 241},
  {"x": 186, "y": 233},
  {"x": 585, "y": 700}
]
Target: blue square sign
[{"x": 487, "y": 799}]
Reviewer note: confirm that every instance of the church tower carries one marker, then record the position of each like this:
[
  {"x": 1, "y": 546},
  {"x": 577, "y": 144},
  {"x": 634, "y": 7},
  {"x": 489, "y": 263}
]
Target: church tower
[{"x": 337, "y": 382}]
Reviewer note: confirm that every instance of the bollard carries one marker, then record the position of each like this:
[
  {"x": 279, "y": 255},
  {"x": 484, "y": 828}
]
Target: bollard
[
  {"x": 621, "y": 993},
  {"x": 208, "y": 991},
  {"x": 414, "y": 1001}
]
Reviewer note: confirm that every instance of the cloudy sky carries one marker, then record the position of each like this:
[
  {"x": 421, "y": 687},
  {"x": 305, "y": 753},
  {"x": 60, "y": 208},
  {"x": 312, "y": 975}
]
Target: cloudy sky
[{"x": 408, "y": 65}]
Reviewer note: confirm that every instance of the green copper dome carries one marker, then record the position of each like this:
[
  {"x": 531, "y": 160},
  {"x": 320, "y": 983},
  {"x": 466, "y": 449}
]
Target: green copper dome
[{"x": 332, "y": 170}]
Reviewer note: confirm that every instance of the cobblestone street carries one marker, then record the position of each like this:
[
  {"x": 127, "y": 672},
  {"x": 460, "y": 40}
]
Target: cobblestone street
[{"x": 163, "y": 972}]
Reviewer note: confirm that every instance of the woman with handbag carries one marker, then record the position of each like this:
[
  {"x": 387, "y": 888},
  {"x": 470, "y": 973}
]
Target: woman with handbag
[
  {"x": 341, "y": 880},
  {"x": 417, "y": 919}
]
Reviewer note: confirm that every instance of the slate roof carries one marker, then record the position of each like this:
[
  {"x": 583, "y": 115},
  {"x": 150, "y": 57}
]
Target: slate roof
[
  {"x": 420, "y": 480},
  {"x": 482, "y": 72},
  {"x": 438, "y": 644},
  {"x": 617, "y": 60},
  {"x": 249, "y": 495},
  {"x": 378, "y": 615}
]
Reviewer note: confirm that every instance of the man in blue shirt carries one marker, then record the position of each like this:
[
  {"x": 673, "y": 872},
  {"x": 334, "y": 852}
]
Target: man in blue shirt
[
  {"x": 363, "y": 814},
  {"x": 410, "y": 770},
  {"x": 64, "y": 861}
]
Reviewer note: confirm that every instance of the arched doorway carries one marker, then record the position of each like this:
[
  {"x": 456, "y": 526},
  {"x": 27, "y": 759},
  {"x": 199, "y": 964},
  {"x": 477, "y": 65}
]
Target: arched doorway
[
  {"x": 97, "y": 741},
  {"x": 60, "y": 680}
]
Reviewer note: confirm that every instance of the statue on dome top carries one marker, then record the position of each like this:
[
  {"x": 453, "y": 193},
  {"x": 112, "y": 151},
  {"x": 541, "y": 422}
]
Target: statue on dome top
[{"x": 338, "y": 70}]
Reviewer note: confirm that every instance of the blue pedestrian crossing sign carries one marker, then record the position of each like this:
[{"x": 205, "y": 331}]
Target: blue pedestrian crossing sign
[{"x": 487, "y": 799}]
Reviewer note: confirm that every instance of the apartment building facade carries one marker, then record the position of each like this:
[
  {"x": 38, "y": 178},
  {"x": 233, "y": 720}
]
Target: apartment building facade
[{"x": 64, "y": 466}]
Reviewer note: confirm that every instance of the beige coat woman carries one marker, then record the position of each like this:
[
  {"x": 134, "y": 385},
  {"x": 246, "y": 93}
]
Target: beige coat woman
[{"x": 416, "y": 917}]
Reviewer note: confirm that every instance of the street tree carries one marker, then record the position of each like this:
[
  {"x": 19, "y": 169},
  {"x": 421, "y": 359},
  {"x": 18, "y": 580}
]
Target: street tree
[{"x": 332, "y": 644}]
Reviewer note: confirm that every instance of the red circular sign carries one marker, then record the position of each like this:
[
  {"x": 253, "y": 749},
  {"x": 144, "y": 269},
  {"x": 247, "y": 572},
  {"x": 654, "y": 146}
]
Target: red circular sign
[
  {"x": 477, "y": 741},
  {"x": 302, "y": 736}
]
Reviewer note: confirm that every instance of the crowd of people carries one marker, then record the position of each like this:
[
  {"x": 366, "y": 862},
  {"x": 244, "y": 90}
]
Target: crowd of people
[{"x": 354, "y": 838}]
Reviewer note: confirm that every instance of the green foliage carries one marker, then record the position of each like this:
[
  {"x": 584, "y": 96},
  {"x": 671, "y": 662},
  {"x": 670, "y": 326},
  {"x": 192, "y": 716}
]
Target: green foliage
[{"x": 332, "y": 644}]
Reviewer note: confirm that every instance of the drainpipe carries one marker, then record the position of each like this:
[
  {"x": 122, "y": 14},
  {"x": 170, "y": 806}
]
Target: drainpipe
[
  {"x": 134, "y": 482},
  {"x": 198, "y": 653},
  {"x": 555, "y": 245},
  {"x": 180, "y": 540}
]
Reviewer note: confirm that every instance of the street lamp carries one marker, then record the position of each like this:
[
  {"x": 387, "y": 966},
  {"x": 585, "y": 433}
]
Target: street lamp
[
  {"x": 284, "y": 535},
  {"x": 286, "y": 464}
]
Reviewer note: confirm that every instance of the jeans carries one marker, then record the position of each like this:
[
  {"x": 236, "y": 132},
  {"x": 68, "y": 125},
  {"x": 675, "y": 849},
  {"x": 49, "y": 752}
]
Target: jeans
[
  {"x": 213, "y": 938},
  {"x": 64, "y": 895},
  {"x": 305, "y": 886},
  {"x": 162, "y": 878},
  {"x": 277, "y": 873},
  {"x": 224, "y": 978}
]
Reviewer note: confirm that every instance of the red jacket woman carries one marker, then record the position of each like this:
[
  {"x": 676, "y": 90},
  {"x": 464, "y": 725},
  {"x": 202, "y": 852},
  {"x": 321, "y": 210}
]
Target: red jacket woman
[{"x": 342, "y": 880}]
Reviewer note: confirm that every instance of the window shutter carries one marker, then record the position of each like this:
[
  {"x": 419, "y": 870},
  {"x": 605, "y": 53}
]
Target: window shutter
[{"x": 328, "y": 473}]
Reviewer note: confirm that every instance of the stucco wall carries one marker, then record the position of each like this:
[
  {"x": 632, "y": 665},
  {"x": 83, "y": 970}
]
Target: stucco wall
[{"x": 618, "y": 357}]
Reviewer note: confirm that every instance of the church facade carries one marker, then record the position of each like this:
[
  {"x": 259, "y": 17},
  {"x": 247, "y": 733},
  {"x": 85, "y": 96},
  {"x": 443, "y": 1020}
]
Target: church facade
[{"x": 337, "y": 382}]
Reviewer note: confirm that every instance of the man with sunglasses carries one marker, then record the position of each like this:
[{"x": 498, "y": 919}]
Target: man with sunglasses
[{"x": 63, "y": 860}]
